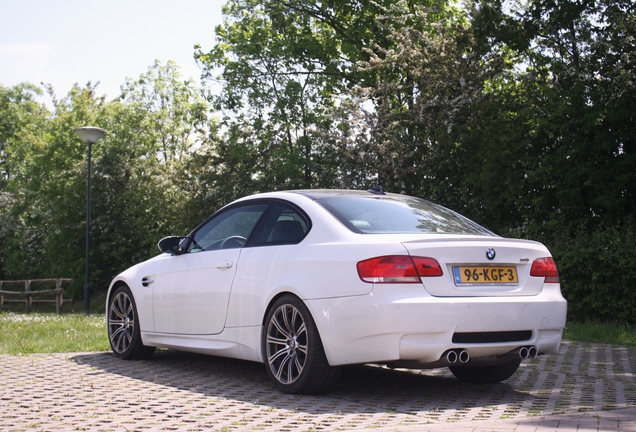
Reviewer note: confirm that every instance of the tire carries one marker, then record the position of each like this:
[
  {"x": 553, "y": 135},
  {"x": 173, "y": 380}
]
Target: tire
[
  {"x": 292, "y": 350},
  {"x": 123, "y": 327},
  {"x": 486, "y": 374}
]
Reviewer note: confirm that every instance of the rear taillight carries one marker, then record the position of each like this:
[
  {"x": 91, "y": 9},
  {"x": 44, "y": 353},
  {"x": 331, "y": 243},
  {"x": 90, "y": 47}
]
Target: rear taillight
[
  {"x": 427, "y": 267},
  {"x": 546, "y": 268},
  {"x": 398, "y": 269}
]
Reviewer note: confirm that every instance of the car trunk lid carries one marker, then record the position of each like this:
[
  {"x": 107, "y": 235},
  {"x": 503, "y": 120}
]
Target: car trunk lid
[{"x": 481, "y": 266}]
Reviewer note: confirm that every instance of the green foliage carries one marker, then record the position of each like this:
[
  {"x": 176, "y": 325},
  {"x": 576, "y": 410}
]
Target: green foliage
[
  {"x": 158, "y": 126},
  {"x": 270, "y": 98},
  {"x": 285, "y": 69},
  {"x": 597, "y": 270},
  {"x": 20, "y": 118},
  {"x": 20, "y": 115}
]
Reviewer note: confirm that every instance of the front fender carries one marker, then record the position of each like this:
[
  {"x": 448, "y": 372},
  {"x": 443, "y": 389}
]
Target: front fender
[{"x": 139, "y": 278}]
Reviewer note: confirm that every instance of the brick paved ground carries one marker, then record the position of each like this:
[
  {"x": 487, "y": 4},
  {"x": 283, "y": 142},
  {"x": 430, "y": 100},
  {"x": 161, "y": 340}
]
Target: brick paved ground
[{"x": 584, "y": 387}]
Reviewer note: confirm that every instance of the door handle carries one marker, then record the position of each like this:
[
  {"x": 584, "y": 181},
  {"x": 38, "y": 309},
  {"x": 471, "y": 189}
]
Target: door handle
[
  {"x": 225, "y": 265},
  {"x": 147, "y": 281}
]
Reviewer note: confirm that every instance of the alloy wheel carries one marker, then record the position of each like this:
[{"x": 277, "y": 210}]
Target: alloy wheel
[
  {"x": 121, "y": 322},
  {"x": 286, "y": 344}
]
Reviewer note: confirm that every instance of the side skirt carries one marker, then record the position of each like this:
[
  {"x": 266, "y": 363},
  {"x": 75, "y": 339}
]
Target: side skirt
[{"x": 236, "y": 342}]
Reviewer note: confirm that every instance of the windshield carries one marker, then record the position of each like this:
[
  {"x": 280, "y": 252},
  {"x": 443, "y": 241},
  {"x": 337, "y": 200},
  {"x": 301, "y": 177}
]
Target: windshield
[{"x": 399, "y": 215}]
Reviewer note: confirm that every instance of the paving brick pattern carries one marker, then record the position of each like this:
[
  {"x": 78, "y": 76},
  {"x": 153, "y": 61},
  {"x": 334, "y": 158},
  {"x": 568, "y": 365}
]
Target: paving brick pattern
[{"x": 584, "y": 387}]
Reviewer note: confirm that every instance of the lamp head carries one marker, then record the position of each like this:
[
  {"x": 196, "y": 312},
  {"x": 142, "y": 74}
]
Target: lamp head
[{"x": 89, "y": 134}]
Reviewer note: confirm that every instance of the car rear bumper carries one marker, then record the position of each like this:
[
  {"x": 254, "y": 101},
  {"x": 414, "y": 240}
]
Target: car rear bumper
[{"x": 400, "y": 323}]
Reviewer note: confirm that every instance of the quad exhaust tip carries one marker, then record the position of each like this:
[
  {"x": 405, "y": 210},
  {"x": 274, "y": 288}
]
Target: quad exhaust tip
[
  {"x": 453, "y": 356},
  {"x": 524, "y": 352}
]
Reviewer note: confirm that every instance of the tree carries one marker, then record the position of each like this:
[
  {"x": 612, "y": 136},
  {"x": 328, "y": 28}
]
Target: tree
[
  {"x": 20, "y": 113},
  {"x": 47, "y": 197},
  {"x": 574, "y": 92},
  {"x": 143, "y": 173},
  {"x": 285, "y": 68},
  {"x": 20, "y": 117},
  {"x": 139, "y": 185}
]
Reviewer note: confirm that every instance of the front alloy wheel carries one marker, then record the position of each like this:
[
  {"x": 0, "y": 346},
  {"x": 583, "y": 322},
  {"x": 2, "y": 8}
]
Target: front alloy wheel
[
  {"x": 123, "y": 327},
  {"x": 294, "y": 355}
]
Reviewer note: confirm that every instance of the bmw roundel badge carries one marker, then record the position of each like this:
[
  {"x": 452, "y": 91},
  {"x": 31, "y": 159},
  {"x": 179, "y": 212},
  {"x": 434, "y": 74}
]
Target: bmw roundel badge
[{"x": 490, "y": 254}]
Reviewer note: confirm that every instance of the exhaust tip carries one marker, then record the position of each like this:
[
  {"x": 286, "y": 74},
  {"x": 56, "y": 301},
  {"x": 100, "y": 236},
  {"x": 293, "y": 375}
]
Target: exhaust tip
[
  {"x": 451, "y": 357},
  {"x": 523, "y": 352},
  {"x": 464, "y": 356},
  {"x": 532, "y": 352}
]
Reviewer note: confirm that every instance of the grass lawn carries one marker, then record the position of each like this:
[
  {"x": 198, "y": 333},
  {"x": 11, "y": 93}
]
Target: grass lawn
[
  {"x": 605, "y": 333},
  {"x": 47, "y": 333}
]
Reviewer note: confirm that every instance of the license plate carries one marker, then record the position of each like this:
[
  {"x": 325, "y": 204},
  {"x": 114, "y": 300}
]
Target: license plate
[{"x": 486, "y": 275}]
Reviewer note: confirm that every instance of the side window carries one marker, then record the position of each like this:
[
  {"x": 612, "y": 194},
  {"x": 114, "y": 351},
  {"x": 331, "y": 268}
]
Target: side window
[
  {"x": 228, "y": 230},
  {"x": 283, "y": 224}
]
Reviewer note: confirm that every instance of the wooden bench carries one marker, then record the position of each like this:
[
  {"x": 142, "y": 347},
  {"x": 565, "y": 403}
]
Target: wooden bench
[{"x": 29, "y": 293}]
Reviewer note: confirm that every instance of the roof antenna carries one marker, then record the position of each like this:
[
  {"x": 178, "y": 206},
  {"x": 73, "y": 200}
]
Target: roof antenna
[{"x": 377, "y": 190}]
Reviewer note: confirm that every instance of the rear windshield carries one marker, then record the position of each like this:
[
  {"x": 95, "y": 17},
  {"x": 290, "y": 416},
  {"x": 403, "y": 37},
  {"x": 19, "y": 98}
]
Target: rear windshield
[{"x": 399, "y": 215}]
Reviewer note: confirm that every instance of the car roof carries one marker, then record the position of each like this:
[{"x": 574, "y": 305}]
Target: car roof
[{"x": 332, "y": 193}]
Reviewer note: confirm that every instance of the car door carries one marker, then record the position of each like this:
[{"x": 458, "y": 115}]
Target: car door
[
  {"x": 191, "y": 290},
  {"x": 271, "y": 257}
]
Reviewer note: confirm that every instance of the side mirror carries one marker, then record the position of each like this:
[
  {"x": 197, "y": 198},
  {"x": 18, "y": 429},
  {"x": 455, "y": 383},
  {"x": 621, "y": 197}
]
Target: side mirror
[{"x": 170, "y": 244}]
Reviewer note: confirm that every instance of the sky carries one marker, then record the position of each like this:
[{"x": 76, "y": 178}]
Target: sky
[{"x": 62, "y": 42}]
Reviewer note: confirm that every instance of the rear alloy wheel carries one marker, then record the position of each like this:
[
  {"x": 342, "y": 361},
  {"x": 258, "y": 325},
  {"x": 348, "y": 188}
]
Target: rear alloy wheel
[
  {"x": 486, "y": 374},
  {"x": 123, "y": 327},
  {"x": 292, "y": 349}
]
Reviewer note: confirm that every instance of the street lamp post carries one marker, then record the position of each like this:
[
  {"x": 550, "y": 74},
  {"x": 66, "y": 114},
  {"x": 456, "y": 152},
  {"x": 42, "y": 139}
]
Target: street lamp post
[{"x": 89, "y": 135}]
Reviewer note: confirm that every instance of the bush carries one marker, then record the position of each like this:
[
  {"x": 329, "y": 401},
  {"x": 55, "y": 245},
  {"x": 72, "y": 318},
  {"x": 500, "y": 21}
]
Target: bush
[{"x": 598, "y": 271}]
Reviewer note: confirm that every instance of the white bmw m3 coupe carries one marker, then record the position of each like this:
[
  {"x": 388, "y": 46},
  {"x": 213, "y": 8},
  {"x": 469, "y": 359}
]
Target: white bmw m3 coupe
[{"x": 306, "y": 281}]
